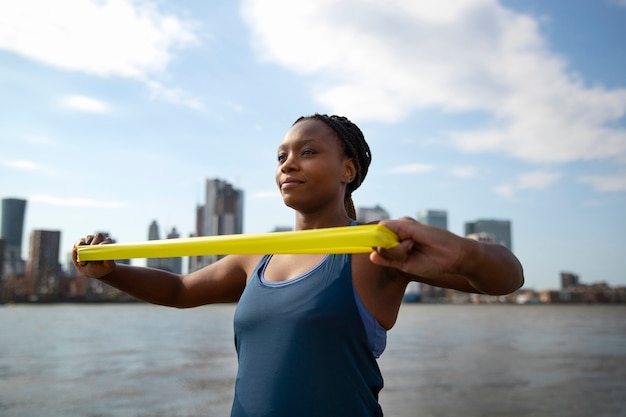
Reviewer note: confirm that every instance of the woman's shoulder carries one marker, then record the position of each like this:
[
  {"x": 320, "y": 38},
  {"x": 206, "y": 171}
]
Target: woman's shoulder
[{"x": 245, "y": 263}]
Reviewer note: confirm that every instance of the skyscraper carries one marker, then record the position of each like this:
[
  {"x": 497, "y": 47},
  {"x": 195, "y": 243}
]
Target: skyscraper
[
  {"x": 153, "y": 234},
  {"x": 174, "y": 265},
  {"x": 222, "y": 214},
  {"x": 153, "y": 231},
  {"x": 499, "y": 229},
  {"x": 12, "y": 230},
  {"x": 223, "y": 209},
  {"x": 437, "y": 218},
  {"x": 43, "y": 268},
  {"x": 3, "y": 245},
  {"x": 168, "y": 264},
  {"x": 370, "y": 214},
  {"x": 569, "y": 280}
]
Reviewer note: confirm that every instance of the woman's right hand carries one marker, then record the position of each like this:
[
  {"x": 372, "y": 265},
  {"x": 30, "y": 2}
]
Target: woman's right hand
[{"x": 92, "y": 269}]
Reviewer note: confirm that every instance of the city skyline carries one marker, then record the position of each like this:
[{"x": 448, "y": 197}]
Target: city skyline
[
  {"x": 218, "y": 190},
  {"x": 495, "y": 109}
]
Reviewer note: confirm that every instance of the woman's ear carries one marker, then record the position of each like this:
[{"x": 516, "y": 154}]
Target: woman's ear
[{"x": 349, "y": 171}]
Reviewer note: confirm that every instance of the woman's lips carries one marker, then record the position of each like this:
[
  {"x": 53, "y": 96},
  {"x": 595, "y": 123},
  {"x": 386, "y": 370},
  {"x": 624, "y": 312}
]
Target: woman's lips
[{"x": 290, "y": 183}]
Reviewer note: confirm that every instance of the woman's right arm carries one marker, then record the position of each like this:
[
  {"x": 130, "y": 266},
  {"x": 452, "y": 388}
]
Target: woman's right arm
[{"x": 220, "y": 282}]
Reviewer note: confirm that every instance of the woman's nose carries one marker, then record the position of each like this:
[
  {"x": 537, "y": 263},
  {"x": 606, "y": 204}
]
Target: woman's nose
[{"x": 289, "y": 164}]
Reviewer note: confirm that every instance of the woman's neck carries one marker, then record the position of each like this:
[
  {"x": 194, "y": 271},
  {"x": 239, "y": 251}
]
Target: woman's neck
[{"x": 309, "y": 221}]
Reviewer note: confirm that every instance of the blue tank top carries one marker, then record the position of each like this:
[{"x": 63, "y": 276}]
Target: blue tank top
[{"x": 302, "y": 347}]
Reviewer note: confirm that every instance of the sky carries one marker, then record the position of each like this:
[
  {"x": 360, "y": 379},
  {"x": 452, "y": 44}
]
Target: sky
[{"x": 114, "y": 113}]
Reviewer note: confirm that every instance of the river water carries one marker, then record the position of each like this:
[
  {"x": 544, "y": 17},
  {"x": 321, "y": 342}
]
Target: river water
[{"x": 135, "y": 360}]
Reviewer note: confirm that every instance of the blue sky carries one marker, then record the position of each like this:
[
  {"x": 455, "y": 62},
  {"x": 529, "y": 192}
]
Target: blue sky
[{"x": 114, "y": 112}]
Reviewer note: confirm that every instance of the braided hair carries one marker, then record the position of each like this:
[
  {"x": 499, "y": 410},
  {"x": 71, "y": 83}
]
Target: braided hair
[{"x": 354, "y": 147}]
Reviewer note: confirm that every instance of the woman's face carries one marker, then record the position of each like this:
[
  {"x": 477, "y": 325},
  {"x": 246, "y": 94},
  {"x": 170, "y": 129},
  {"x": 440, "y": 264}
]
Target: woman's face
[{"x": 312, "y": 168}]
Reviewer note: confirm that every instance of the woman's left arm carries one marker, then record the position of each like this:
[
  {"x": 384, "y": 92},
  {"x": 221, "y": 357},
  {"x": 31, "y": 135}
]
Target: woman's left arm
[{"x": 437, "y": 257}]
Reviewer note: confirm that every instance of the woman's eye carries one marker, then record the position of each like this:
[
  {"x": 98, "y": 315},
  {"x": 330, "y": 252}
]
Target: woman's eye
[
  {"x": 308, "y": 152},
  {"x": 281, "y": 157}
]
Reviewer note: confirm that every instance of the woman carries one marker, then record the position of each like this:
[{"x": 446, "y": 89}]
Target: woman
[{"x": 308, "y": 328}]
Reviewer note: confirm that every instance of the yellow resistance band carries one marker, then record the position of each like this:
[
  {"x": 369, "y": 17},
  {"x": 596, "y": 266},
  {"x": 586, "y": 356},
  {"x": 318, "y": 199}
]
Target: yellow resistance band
[{"x": 348, "y": 239}]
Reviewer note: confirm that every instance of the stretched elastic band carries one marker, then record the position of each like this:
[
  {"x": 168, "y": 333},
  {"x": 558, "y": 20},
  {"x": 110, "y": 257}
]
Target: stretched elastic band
[{"x": 348, "y": 239}]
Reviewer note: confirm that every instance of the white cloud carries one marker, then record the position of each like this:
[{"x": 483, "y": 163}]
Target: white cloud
[
  {"x": 22, "y": 165},
  {"x": 28, "y": 166},
  {"x": 505, "y": 190},
  {"x": 536, "y": 180},
  {"x": 464, "y": 171},
  {"x": 411, "y": 169},
  {"x": 110, "y": 37},
  {"x": 606, "y": 183},
  {"x": 39, "y": 140},
  {"x": 594, "y": 203},
  {"x": 86, "y": 104},
  {"x": 75, "y": 201},
  {"x": 175, "y": 96},
  {"x": 383, "y": 60}
]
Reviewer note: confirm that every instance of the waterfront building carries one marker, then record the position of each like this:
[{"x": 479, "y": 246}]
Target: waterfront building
[
  {"x": 500, "y": 229},
  {"x": 3, "y": 245},
  {"x": 569, "y": 280},
  {"x": 221, "y": 214},
  {"x": 482, "y": 237},
  {"x": 153, "y": 234},
  {"x": 12, "y": 231},
  {"x": 167, "y": 264},
  {"x": 371, "y": 214},
  {"x": 419, "y": 291},
  {"x": 174, "y": 265},
  {"x": 43, "y": 269},
  {"x": 437, "y": 218}
]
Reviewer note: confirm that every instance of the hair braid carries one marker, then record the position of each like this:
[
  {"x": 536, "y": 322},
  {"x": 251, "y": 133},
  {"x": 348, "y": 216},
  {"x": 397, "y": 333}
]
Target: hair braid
[{"x": 355, "y": 147}]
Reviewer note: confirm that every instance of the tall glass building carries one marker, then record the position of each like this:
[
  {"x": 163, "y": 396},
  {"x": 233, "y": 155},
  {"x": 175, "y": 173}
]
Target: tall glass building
[
  {"x": 371, "y": 214},
  {"x": 437, "y": 218},
  {"x": 499, "y": 229},
  {"x": 174, "y": 265},
  {"x": 153, "y": 234},
  {"x": 12, "y": 231},
  {"x": 222, "y": 214},
  {"x": 44, "y": 269}
]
